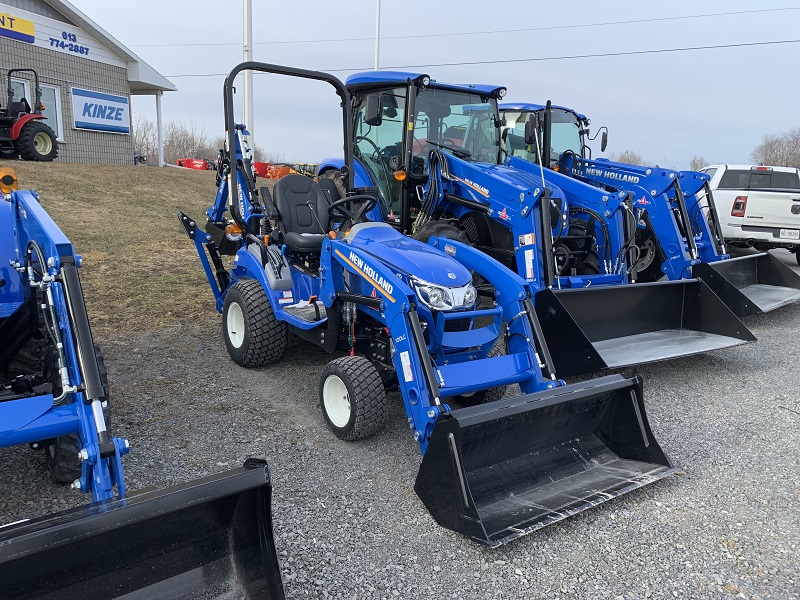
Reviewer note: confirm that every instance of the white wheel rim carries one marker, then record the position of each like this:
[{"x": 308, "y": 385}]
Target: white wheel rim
[
  {"x": 42, "y": 143},
  {"x": 336, "y": 399},
  {"x": 235, "y": 324}
]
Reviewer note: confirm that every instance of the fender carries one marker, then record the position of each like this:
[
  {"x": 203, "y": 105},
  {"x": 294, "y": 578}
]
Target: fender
[{"x": 20, "y": 123}]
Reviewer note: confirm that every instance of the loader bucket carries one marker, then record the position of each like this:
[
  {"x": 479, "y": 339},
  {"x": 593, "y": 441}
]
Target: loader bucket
[
  {"x": 751, "y": 284},
  {"x": 595, "y": 328},
  {"x": 504, "y": 469},
  {"x": 208, "y": 538}
]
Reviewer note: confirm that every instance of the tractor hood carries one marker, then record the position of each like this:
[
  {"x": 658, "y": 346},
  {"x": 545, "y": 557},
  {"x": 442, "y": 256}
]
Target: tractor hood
[{"x": 408, "y": 256}]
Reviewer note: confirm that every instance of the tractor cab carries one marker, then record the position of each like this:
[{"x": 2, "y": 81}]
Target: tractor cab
[
  {"x": 399, "y": 118},
  {"x": 568, "y": 132}
]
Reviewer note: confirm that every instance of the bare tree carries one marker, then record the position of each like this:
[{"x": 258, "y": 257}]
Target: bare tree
[
  {"x": 697, "y": 163},
  {"x": 780, "y": 150},
  {"x": 628, "y": 157},
  {"x": 145, "y": 138}
]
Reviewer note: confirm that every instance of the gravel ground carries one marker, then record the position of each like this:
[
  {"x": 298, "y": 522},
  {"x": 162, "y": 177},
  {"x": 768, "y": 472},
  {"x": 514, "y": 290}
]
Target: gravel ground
[{"x": 349, "y": 525}]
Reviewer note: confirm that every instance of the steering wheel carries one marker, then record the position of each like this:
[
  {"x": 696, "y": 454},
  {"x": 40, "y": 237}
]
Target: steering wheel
[
  {"x": 344, "y": 209},
  {"x": 377, "y": 155}
]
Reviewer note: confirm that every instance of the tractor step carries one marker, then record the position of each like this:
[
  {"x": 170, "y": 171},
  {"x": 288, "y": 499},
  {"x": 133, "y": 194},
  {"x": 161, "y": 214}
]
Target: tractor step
[
  {"x": 310, "y": 312},
  {"x": 610, "y": 327},
  {"x": 751, "y": 284},
  {"x": 208, "y": 538},
  {"x": 501, "y": 470}
]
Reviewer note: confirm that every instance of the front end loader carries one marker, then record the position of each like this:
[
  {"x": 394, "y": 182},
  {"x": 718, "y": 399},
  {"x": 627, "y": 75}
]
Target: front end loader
[
  {"x": 678, "y": 229},
  {"x": 444, "y": 175},
  {"x": 211, "y": 535},
  {"x": 309, "y": 263}
]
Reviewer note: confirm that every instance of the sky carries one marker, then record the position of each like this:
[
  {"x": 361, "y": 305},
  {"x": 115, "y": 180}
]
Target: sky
[{"x": 716, "y": 103}]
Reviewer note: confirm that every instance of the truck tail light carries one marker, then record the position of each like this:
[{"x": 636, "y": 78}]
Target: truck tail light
[{"x": 739, "y": 206}]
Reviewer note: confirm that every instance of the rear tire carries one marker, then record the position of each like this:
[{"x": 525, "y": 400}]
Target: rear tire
[
  {"x": 37, "y": 142},
  {"x": 485, "y": 396},
  {"x": 62, "y": 455},
  {"x": 253, "y": 335},
  {"x": 797, "y": 256},
  {"x": 352, "y": 398}
]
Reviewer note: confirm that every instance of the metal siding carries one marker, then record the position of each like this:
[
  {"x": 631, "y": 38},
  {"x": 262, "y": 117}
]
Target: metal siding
[{"x": 40, "y": 8}]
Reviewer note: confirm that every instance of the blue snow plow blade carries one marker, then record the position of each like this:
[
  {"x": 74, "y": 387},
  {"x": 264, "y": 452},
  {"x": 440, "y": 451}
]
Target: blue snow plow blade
[
  {"x": 208, "y": 538},
  {"x": 502, "y": 470}
]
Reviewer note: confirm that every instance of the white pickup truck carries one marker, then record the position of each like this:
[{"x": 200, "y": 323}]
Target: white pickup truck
[{"x": 758, "y": 206}]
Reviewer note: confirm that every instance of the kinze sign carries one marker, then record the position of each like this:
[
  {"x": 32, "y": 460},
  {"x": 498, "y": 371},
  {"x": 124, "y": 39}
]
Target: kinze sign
[{"x": 100, "y": 112}]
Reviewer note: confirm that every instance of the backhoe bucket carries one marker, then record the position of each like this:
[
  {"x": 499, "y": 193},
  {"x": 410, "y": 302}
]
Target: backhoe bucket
[
  {"x": 208, "y": 538},
  {"x": 504, "y": 469},
  {"x": 595, "y": 328},
  {"x": 751, "y": 284}
]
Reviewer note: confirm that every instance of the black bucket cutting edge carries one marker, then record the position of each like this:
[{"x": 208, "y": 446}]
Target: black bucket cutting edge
[
  {"x": 502, "y": 470},
  {"x": 752, "y": 284},
  {"x": 208, "y": 538},
  {"x": 595, "y": 328}
]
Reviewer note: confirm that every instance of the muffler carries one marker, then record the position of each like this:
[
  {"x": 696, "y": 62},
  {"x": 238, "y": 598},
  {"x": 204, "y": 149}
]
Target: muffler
[
  {"x": 208, "y": 538},
  {"x": 751, "y": 284},
  {"x": 594, "y": 328},
  {"x": 501, "y": 470}
]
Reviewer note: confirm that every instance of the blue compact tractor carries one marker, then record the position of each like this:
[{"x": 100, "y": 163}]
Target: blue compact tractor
[
  {"x": 307, "y": 261},
  {"x": 432, "y": 153},
  {"x": 678, "y": 233},
  {"x": 204, "y": 538}
]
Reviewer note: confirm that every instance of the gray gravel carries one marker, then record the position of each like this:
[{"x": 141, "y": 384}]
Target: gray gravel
[{"x": 347, "y": 521}]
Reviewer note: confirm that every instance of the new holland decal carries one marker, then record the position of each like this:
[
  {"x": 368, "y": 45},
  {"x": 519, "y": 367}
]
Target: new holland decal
[{"x": 369, "y": 273}]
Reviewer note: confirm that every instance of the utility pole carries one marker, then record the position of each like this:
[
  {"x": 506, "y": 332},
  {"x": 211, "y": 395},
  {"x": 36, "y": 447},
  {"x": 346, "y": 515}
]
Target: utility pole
[
  {"x": 378, "y": 35},
  {"x": 247, "y": 41}
]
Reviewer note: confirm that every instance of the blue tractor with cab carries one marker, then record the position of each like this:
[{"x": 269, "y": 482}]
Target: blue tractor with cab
[
  {"x": 678, "y": 229},
  {"x": 306, "y": 260},
  {"x": 432, "y": 153}
]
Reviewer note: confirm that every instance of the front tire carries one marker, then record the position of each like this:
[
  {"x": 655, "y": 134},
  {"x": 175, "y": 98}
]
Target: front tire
[
  {"x": 37, "y": 142},
  {"x": 253, "y": 335},
  {"x": 352, "y": 398},
  {"x": 9, "y": 154},
  {"x": 443, "y": 229},
  {"x": 62, "y": 455}
]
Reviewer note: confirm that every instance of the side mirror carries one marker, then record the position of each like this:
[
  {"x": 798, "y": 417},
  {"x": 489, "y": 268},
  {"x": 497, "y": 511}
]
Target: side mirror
[
  {"x": 604, "y": 142},
  {"x": 373, "y": 113},
  {"x": 531, "y": 128}
]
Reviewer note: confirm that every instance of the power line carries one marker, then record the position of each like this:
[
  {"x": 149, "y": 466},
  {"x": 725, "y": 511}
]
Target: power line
[
  {"x": 496, "y": 31},
  {"x": 538, "y": 59}
]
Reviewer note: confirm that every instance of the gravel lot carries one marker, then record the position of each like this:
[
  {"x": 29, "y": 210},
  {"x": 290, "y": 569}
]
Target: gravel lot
[{"x": 347, "y": 521}]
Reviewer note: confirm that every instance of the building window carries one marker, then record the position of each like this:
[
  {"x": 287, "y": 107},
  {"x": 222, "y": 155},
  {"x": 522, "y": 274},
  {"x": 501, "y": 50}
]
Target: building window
[{"x": 51, "y": 98}]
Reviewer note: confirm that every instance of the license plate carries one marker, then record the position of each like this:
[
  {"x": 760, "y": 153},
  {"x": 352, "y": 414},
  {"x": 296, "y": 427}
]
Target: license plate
[{"x": 790, "y": 234}]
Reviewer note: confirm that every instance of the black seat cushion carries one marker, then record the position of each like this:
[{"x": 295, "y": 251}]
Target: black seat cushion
[{"x": 302, "y": 212}]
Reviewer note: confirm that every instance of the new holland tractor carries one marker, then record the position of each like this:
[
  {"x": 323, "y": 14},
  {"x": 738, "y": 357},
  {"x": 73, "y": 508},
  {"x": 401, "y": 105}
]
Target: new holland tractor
[
  {"x": 308, "y": 262},
  {"x": 678, "y": 229},
  {"x": 23, "y": 131},
  {"x": 205, "y": 538},
  {"x": 431, "y": 152}
]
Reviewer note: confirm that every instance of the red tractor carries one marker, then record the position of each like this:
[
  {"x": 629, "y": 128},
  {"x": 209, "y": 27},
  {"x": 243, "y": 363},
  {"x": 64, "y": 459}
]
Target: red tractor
[{"x": 22, "y": 129}]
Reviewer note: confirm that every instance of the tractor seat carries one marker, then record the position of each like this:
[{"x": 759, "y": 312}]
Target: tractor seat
[
  {"x": 16, "y": 108},
  {"x": 302, "y": 213}
]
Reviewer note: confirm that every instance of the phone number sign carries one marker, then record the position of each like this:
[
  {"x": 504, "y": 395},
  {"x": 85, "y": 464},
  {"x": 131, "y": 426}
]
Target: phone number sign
[{"x": 100, "y": 112}]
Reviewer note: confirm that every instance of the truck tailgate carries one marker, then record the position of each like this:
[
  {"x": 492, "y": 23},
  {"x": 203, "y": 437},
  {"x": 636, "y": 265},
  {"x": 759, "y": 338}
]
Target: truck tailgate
[{"x": 774, "y": 209}]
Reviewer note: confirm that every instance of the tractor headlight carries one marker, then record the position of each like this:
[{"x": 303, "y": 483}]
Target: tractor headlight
[
  {"x": 470, "y": 295},
  {"x": 444, "y": 298}
]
